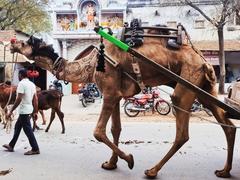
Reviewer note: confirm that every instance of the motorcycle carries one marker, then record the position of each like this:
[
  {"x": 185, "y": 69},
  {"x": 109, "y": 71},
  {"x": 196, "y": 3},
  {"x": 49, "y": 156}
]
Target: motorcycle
[
  {"x": 196, "y": 107},
  {"x": 56, "y": 85},
  {"x": 149, "y": 101},
  {"x": 88, "y": 93}
]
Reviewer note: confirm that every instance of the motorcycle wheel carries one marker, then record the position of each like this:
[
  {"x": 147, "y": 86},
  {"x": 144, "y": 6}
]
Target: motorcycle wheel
[
  {"x": 163, "y": 107},
  {"x": 84, "y": 102},
  {"x": 128, "y": 112},
  {"x": 97, "y": 93}
]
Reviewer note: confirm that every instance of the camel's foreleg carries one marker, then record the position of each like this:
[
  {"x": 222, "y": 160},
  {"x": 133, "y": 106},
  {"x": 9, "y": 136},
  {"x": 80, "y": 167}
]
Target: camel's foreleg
[
  {"x": 51, "y": 119},
  {"x": 100, "y": 131},
  {"x": 185, "y": 99},
  {"x": 116, "y": 130}
]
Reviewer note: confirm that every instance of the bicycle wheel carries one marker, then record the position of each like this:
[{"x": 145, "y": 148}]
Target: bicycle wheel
[
  {"x": 129, "y": 111},
  {"x": 163, "y": 107}
]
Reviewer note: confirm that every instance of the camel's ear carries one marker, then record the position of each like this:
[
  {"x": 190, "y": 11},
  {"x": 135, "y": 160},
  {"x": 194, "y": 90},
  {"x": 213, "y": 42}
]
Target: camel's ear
[{"x": 30, "y": 41}]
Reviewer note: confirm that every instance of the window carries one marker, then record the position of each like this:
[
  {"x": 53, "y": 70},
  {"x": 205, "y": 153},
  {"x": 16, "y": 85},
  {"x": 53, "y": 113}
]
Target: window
[
  {"x": 199, "y": 24},
  {"x": 172, "y": 23}
]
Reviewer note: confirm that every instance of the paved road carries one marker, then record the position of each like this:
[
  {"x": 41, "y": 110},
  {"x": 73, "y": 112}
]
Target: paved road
[{"x": 76, "y": 154}]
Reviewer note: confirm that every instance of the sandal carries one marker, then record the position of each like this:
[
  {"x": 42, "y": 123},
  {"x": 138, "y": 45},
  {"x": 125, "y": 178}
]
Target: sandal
[{"x": 32, "y": 152}]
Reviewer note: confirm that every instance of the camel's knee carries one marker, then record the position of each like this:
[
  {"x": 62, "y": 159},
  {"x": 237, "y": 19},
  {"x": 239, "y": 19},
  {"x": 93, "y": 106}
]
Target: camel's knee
[
  {"x": 175, "y": 99},
  {"x": 116, "y": 131},
  {"x": 181, "y": 141},
  {"x": 230, "y": 131},
  {"x": 99, "y": 135}
]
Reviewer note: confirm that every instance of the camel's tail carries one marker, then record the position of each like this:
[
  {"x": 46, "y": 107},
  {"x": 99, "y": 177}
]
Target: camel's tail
[{"x": 209, "y": 73}]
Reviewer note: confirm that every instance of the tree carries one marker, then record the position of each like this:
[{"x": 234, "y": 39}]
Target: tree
[
  {"x": 29, "y": 16},
  {"x": 228, "y": 8}
]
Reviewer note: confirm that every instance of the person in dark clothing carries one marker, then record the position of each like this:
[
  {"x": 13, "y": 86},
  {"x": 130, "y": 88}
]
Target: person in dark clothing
[{"x": 28, "y": 105}]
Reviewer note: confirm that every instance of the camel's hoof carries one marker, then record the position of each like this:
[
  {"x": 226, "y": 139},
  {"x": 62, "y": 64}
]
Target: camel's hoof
[
  {"x": 151, "y": 174},
  {"x": 130, "y": 161},
  {"x": 46, "y": 130},
  {"x": 63, "y": 132},
  {"x": 109, "y": 166},
  {"x": 222, "y": 173}
]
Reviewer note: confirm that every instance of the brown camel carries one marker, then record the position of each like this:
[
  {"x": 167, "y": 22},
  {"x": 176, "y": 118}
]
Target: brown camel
[
  {"x": 115, "y": 84},
  {"x": 46, "y": 99}
]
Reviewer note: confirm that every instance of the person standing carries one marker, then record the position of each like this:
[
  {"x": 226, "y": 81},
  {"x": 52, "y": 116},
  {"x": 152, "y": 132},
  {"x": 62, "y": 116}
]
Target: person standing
[{"x": 28, "y": 105}]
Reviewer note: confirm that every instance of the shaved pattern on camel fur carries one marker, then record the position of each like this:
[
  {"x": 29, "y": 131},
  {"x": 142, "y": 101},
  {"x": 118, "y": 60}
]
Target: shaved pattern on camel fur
[{"x": 114, "y": 85}]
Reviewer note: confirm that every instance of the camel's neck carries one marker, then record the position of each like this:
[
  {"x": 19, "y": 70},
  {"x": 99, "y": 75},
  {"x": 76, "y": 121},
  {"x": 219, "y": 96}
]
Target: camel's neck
[
  {"x": 80, "y": 71},
  {"x": 44, "y": 62}
]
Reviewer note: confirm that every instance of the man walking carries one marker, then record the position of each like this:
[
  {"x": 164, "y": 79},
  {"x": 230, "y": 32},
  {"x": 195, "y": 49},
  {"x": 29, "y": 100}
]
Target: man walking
[{"x": 28, "y": 104}]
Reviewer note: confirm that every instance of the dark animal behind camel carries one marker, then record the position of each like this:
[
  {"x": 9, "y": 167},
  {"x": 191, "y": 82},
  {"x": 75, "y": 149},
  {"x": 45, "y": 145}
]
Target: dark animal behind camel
[
  {"x": 115, "y": 84},
  {"x": 51, "y": 99},
  {"x": 46, "y": 99}
]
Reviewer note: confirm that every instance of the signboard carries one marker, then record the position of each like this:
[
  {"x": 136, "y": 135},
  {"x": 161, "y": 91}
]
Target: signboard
[{"x": 212, "y": 57}]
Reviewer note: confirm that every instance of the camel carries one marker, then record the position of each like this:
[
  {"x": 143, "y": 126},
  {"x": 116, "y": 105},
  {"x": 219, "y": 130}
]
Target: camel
[
  {"x": 46, "y": 99},
  {"x": 115, "y": 85}
]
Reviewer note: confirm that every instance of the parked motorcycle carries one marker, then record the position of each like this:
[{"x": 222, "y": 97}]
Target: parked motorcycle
[
  {"x": 57, "y": 86},
  {"x": 196, "y": 107},
  {"x": 148, "y": 101},
  {"x": 88, "y": 93}
]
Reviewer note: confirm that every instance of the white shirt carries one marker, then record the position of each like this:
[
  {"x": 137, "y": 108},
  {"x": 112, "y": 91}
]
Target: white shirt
[{"x": 28, "y": 89}]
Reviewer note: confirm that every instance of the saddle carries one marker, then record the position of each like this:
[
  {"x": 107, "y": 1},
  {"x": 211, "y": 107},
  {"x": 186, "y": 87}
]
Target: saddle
[{"x": 134, "y": 34}]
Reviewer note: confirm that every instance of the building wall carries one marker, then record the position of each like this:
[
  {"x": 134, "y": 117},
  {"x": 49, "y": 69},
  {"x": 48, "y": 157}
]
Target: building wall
[{"x": 151, "y": 12}]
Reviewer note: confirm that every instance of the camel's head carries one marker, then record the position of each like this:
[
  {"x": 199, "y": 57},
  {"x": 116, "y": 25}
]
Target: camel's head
[
  {"x": 28, "y": 48},
  {"x": 34, "y": 47}
]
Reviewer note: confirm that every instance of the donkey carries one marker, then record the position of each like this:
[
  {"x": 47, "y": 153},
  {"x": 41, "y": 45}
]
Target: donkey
[{"x": 46, "y": 99}]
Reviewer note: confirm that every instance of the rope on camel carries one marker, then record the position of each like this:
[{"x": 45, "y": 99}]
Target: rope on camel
[
  {"x": 8, "y": 123},
  {"x": 193, "y": 115}
]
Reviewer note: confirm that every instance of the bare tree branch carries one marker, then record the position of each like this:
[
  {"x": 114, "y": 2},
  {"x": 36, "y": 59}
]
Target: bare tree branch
[{"x": 188, "y": 2}]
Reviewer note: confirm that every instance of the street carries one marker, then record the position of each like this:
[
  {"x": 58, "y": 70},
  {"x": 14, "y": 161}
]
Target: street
[{"x": 78, "y": 155}]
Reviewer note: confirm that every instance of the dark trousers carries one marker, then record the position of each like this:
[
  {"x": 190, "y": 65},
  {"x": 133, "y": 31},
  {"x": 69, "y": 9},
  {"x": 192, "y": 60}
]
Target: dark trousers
[{"x": 23, "y": 121}]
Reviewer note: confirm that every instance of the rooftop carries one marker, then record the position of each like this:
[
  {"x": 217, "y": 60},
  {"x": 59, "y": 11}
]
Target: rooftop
[{"x": 229, "y": 45}]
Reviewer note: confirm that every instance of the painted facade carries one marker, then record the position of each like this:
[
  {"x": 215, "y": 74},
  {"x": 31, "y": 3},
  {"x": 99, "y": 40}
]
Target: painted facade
[{"x": 73, "y": 22}]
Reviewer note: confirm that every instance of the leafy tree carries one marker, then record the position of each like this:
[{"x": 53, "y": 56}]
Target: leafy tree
[
  {"x": 228, "y": 9},
  {"x": 29, "y": 16}
]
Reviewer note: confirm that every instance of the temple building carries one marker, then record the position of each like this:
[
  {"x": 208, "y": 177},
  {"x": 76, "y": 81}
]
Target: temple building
[{"x": 74, "y": 20}]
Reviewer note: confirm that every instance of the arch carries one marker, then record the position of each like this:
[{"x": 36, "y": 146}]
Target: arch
[{"x": 88, "y": 13}]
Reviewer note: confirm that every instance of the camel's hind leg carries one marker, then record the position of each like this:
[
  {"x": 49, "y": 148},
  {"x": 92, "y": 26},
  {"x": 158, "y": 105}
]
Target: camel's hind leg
[
  {"x": 116, "y": 130},
  {"x": 109, "y": 103},
  {"x": 230, "y": 133},
  {"x": 182, "y": 98}
]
